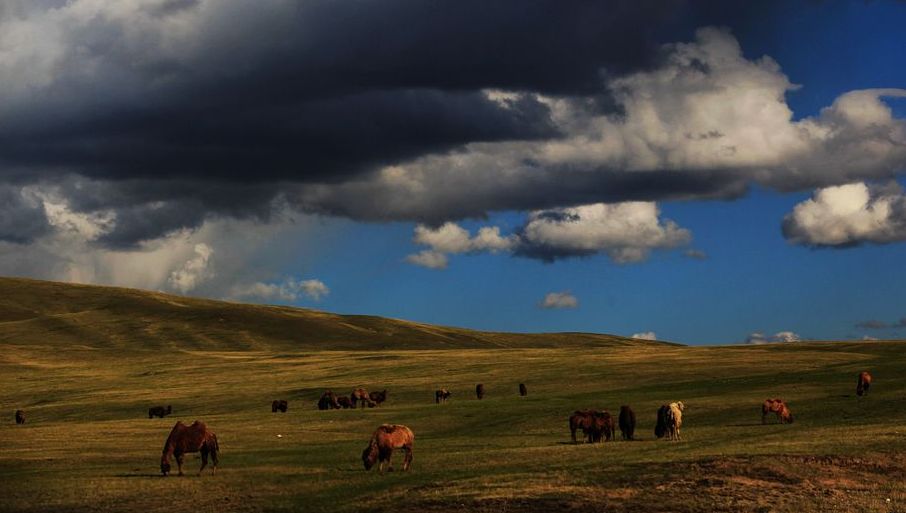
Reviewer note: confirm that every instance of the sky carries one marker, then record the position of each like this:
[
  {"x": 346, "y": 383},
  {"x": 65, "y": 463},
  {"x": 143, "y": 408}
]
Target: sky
[{"x": 697, "y": 172}]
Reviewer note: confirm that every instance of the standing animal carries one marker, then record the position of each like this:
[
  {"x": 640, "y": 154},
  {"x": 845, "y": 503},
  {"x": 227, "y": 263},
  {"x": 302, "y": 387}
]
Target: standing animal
[
  {"x": 360, "y": 395},
  {"x": 523, "y": 391},
  {"x": 864, "y": 383},
  {"x": 384, "y": 440},
  {"x": 184, "y": 439},
  {"x": 581, "y": 419},
  {"x": 441, "y": 396},
  {"x": 602, "y": 427},
  {"x": 675, "y": 420},
  {"x": 279, "y": 405},
  {"x": 159, "y": 411},
  {"x": 20, "y": 417},
  {"x": 776, "y": 406},
  {"x": 345, "y": 402},
  {"x": 479, "y": 391},
  {"x": 627, "y": 423},
  {"x": 328, "y": 401},
  {"x": 378, "y": 397},
  {"x": 669, "y": 421}
]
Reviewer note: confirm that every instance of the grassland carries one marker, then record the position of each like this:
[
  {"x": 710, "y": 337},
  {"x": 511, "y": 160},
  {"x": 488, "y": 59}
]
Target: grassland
[{"x": 89, "y": 446}]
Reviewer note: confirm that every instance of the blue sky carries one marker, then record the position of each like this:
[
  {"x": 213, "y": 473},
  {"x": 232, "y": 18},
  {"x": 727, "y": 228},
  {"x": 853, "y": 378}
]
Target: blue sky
[
  {"x": 301, "y": 170},
  {"x": 752, "y": 281}
]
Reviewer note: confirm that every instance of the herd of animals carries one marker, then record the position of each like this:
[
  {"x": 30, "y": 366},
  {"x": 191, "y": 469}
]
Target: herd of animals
[{"x": 596, "y": 426}]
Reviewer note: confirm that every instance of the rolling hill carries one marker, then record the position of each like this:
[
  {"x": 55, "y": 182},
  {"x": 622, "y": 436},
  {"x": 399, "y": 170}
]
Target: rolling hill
[{"x": 42, "y": 312}]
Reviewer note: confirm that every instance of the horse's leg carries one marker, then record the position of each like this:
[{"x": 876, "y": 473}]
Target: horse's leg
[
  {"x": 204, "y": 458},
  {"x": 390, "y": 460},
  {"x": 179, "y": 459},
  {"x": 407, "y": 461}
]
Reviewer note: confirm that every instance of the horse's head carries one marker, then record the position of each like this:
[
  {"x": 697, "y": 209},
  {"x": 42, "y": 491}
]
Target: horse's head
[
  {"x": 680, "y": 405},
  {"x": 370, "y": 455},
  {"x": 165, "y": 468}
]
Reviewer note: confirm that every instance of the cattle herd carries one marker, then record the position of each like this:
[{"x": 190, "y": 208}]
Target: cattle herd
[{"x": 596, "y": 425}]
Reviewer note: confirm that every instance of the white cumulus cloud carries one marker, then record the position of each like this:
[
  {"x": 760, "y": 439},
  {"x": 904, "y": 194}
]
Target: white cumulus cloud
[
  {"x": 558, "y": 300},
  {"x": 645, "y": 335},
  {"x": 782, "y": 336},
  {"x": 194, "y": 271},
  {"x": 847, "y": 215},
  {"x": 287, "y": 290}
]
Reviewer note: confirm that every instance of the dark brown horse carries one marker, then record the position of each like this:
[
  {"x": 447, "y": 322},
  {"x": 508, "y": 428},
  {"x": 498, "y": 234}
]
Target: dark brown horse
[
  {"x": 441, "y": 396},
  {"x": 159, "y": 411},
  {"x": 384, "y": 440},
  {"x": 184, "y": 439},
  {"x": 328, "y": 401},
  {"x": 581, "y": 419},
  {"x": 378, "y": 398},
  {"x": 627, "y": 423},
  {"x": 279, "y": 405},
  {"x": 864, "y": 383},
  {"x": 20, "y": 417},
  {"x": 345, "y": 402},
  {"x": 523, "y": 391},
  {"x": 479, "y": 391},
  {"x": 602, "y": 427}
]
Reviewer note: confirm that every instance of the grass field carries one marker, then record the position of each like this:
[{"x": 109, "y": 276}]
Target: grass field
[{"x": 89, "y": 446}]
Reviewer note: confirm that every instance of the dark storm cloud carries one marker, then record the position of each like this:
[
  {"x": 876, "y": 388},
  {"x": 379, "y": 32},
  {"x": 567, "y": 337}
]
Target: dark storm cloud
[{"x": 21, "y": 219}]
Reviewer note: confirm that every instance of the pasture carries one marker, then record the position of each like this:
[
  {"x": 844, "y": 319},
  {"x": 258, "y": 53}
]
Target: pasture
[{"x": 88, "y": 444}]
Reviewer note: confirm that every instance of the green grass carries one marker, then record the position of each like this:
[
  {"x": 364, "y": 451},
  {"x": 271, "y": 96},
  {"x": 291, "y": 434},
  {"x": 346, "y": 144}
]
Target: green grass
[{"x": 89, "y": 446}]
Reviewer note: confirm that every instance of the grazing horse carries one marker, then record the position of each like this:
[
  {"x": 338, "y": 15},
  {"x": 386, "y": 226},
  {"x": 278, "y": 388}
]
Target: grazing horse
[
  {"x": 479, "y": 391},
  {"x": 669, "y": 421},
  {"x": 159, "y": 411},
  {"x": 602, "y": 427},
  {"x": 279, "y": 405},
  {"x": 20, "y": 417},
  {"x": 378, "y": 397},
  {"x": 384, "y": 440},
  {"x": 344, "y": 402},
  {"x": 627, "y": 423},
  {"x": 328, "y": 401},
  {"x": 441, "y": 396},
  {"x": 522, "y": 390},
  {"x": 184, "y": 439},
  {"x": 776, "y": 406},
  {"x": 361, "y": 395},
  {"x": 581, "y": 419},
  {"x": 864, "y": 383}
]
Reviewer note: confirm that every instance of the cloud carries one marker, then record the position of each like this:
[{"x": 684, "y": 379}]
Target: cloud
[
  {"x": 166, "y": 115},
  {"x": 428, "y": 258},
  {"x": 695, "y": 254},
  {"x": 849, "y": 215},
  {"x": 289, "y": 290},
  {"x": 868, "y": 338},
  {"x": 559, "y": 300},
  {"x": 625, "y": 232},
  {"x": 194, "y": 271},
  {"x": 645, "y": 335},
  {"x": 758, "y": 338}
]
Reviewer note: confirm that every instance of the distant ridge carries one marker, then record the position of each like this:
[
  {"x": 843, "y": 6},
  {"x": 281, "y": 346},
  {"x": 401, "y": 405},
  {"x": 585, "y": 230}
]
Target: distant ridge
[{"x": 49, "y": 313}]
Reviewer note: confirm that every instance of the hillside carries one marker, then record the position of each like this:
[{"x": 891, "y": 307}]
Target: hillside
[{"x": 41, "y": 312}]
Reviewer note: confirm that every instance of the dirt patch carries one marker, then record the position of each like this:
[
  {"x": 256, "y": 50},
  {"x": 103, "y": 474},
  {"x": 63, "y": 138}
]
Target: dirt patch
[{"x": 740, "y": 484}]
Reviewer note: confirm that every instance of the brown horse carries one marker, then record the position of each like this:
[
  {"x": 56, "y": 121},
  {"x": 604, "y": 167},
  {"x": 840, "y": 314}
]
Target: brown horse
[
  {"x": 627, "y": 423},
  {"x": 360, "y": 395},
  {"x": 479, "y": 391},
  {"x": 776, "y": 406},
  {"x": 669, "y": 421},
  {"x": 602, "y": 427},
  {"x": 184, "y": 439},
  {"x": 279, "y": 405},
  {"x": 384, "y": 440},
  {"x": 864, "y": 383},
  {"x": 20, "y": 417},
  {"x": 441, "y": 396},
  {"x": 328, "y": 401},
  {"x": 378, "y": 397},
  {"x": 523, "y": 391},
  {"x": 581, "y": 419},
  {"x": 159, "y": 411}
]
